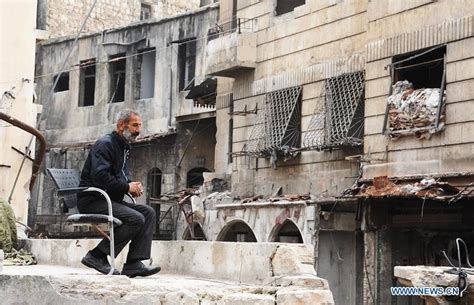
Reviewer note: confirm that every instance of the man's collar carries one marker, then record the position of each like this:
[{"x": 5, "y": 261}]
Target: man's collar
[{"x": 123, "y": 144}]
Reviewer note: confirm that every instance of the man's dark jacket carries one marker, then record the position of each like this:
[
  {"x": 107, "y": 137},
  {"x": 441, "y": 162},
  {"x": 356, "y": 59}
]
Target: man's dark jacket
[{"x": 106, "y": 167}]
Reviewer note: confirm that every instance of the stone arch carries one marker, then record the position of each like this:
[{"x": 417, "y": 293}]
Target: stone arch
[
  {"x": 287, "y": 232},
  {"x": 237, "y": 231}
]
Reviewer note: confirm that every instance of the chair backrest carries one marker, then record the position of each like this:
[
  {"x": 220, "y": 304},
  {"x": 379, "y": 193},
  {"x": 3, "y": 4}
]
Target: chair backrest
[{"x": 65, "y": 178}]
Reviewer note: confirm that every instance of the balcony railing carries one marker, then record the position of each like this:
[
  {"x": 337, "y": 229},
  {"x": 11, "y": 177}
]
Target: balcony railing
[{"x": 238, "y": 25}]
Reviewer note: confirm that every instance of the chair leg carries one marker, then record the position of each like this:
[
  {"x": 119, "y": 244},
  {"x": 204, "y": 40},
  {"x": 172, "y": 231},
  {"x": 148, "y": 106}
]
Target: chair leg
[
  {"x": 112, "y": 247},
  {"x": 101, "y": 232}
]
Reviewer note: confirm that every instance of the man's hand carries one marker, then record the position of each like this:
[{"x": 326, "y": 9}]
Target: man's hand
[{"x": 135, "y": 189}]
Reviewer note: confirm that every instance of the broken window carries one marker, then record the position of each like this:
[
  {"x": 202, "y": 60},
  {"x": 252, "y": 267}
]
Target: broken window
[
  {"x": 145, "y": 11},
  {"x": 87, "y": 82},
  {"x": 187, "y": 64},
  {"x": 277, "y": 127},
  {"x": 195, "y": 177},
  {"x": 154, "y": 183},
  {"x": 415, "y": 104},
  {"x": 237, "y": 231},
  {"x": 145, "y": 74},
  {"x": 117, "y": 64},
  {"x": 338, "y": 118},
  {"x": 63, "y": 82},
  {"x": 286, "y": 6}
]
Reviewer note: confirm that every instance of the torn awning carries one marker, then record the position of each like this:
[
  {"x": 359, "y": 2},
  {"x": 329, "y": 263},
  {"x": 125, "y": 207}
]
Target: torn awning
[{"x": 205, "y": 93}]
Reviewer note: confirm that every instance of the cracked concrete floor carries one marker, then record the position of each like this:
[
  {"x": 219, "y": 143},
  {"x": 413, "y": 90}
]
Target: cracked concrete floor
[{"x": 43, "y": 284}]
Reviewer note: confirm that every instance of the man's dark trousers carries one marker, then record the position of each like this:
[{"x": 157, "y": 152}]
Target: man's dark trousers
[{"x": 138, "y": 225}]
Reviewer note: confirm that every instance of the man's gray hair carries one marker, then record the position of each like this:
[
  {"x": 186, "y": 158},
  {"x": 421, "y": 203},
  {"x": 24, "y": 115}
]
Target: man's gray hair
[{"x": 125, "y": 115}]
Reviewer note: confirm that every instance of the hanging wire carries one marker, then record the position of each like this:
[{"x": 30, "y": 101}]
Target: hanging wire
[{"x": 78, "y": 66}]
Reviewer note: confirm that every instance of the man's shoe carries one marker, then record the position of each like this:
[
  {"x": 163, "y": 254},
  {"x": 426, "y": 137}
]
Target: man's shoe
[
  {"x": 138, "y": 269},
  {"x": 101, "y": 265}
]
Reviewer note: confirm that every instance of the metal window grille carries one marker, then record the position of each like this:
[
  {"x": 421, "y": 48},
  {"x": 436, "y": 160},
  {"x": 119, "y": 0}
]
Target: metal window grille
[
  {"x": 338, "y": 119},
  {"x": 277, "y": 127}
]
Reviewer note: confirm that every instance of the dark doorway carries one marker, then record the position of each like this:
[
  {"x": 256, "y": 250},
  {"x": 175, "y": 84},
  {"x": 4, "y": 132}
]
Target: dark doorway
[
  {"x": 195, "y": 177},
  {"x": 238, "y": 231}
]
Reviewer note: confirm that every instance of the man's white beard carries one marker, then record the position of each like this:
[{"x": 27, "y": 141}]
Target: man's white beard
[{"x": 129, "y": 136}]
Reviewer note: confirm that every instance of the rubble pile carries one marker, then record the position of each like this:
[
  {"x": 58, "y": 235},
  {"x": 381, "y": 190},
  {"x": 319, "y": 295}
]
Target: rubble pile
[
  {"x": 414, "y": 112},
  {"x": 272, "y": 198},
  {"x": 426, "y": 188}
]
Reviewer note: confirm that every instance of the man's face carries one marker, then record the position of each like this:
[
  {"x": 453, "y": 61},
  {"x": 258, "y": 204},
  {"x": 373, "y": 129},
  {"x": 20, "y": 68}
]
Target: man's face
[{"x": 131, "y": 130}]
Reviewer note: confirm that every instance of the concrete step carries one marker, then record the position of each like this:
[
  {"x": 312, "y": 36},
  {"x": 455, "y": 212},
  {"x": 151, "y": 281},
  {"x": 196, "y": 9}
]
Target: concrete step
[{"x": 61, "y": 285}]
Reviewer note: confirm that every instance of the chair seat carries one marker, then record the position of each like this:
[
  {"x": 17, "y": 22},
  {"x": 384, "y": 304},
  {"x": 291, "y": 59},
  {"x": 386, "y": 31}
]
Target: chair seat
[{"x": 92, "y": 218}]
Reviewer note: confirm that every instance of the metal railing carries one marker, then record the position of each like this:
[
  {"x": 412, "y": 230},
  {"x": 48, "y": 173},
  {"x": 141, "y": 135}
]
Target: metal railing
[{"x": 236, "y": 25}]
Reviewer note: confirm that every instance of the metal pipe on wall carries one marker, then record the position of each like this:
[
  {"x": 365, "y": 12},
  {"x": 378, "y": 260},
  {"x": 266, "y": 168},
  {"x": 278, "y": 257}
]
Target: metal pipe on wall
[{"x": 42, "y": 144}]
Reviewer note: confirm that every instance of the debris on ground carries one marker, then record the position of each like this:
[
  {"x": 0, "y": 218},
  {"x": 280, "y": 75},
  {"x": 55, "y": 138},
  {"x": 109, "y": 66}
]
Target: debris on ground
[
  {"x": 414, "y": 112},
  {"x": 271, "y": 198},
  {"x": 428, "y": 188},
  {"x": 8, "y": 235},
  {"x": 20, "y": 257}
]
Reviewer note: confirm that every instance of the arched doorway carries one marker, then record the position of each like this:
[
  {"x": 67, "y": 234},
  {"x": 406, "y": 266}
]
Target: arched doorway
[
  {"x": 287, "y": 232},
  {"x": 198, "y": 233},
  {"x": 237, "y": 231},
  {"x": 195, "y": 178}
]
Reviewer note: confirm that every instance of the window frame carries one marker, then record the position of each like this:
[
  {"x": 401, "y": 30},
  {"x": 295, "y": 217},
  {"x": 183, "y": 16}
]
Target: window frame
[
  {"x": 84, "y": 75},
  {"x": 441, "y": 103}
]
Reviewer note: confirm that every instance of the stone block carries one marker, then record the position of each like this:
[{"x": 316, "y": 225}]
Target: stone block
[
  {"x": 291, "y": 261},
  {"x": 248, "y": 299},
  {"x": 288, "y": 296},
  {"x": 460, "y": 50},
  {"x": 460, "y": 91},
  {"x": 460, "y": 70},
  {"x": 306, "y": 281}
]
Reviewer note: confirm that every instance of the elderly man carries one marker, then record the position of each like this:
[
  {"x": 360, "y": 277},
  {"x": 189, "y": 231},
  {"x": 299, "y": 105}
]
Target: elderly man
[{"x": 106, "y": 168}]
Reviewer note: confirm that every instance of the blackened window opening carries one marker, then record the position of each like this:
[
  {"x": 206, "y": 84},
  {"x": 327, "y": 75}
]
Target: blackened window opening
[
  {"x": 145, "y": 74},
  {"x": 154, "y": 183},
  {"x": 117, "y": 66},
  {"x": 286, "y": 6},
  {"x": 425, "y": 71},
  {"x": 63, "y": 82},
  {"x": 187, "y": 64},
  {"x": 87, "y": 82},
  {"x": 195, "y": 177},
  {"x": 145, "y": 11}
]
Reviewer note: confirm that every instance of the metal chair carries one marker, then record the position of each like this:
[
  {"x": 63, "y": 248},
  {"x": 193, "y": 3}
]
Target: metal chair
[{"x": 67, "y": 183}]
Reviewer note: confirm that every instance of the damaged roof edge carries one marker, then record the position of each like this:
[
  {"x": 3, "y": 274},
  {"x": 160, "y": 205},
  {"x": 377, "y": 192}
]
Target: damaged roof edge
[
  {"x": 152, "y": 21},
  {"x": 140, "y": 140},
  {"x": 417, "y": 177}
]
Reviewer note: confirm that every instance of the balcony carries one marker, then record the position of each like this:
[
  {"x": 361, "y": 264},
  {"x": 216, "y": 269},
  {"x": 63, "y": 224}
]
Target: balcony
[{"x": 231, "y": 48}]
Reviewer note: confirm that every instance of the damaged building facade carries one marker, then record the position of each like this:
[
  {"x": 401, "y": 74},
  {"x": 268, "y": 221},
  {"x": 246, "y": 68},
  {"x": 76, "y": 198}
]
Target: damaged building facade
[
  {"x": 344, "y": 124},
  {"x": 341, "y": 124},
  {"x": 148, "y": 67}
]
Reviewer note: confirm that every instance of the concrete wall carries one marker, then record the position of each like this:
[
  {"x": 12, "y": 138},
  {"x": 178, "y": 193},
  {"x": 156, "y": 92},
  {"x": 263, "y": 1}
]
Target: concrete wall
[
  {"x": 237, "y": 262},
  {"x": 65, "y": 17},
  {"x": 17, "y": 62}
]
